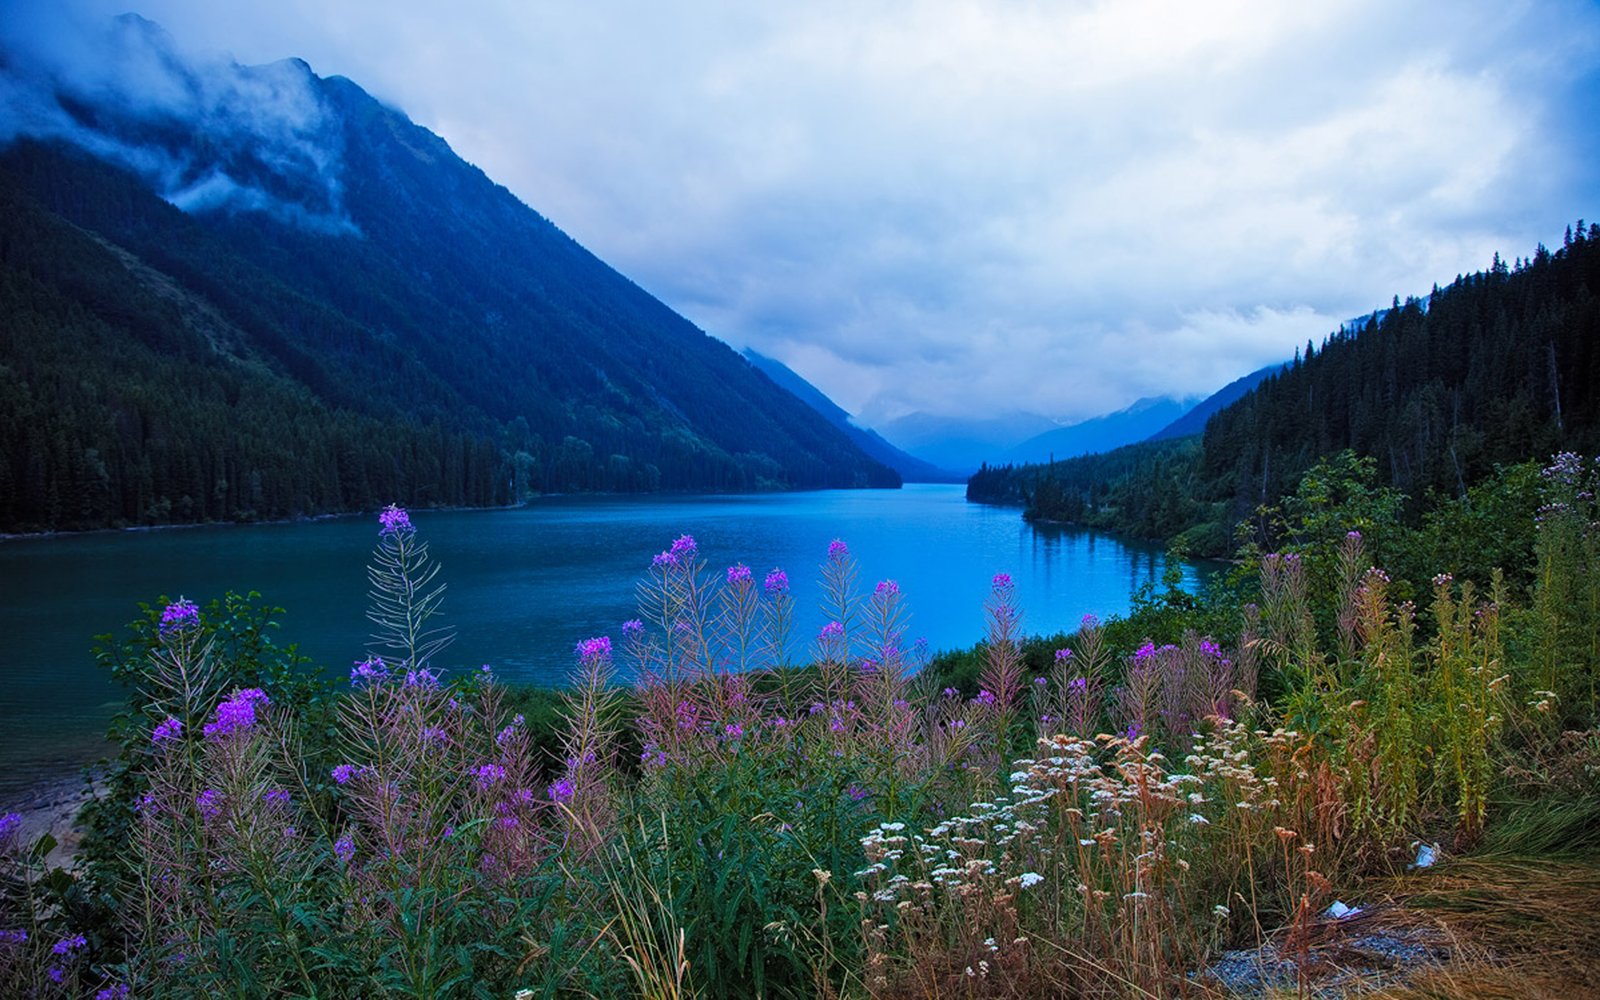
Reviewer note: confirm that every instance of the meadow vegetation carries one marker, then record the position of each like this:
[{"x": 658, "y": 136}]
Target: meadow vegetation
[{"x": 718, "y": 807}]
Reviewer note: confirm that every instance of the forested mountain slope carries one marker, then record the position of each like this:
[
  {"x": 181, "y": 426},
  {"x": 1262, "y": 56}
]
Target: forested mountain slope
[
  {"x": 1500, "y": 367},
  {"x": 352, "y": 317}
]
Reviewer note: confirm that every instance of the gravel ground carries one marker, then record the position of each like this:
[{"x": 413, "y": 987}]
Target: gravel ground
[{"x": 1347, "y": 958}]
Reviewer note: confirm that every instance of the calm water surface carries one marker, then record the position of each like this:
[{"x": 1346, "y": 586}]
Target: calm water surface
[{"x": 525, "y": 585}]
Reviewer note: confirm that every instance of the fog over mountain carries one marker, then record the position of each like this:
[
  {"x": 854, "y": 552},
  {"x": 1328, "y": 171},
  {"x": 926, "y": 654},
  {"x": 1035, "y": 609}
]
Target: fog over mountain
[{"x": 205, "y": 132}]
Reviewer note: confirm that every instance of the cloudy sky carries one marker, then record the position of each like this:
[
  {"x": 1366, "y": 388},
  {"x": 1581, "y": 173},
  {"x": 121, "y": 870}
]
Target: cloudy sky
[{"x": 1057, "y": 207}]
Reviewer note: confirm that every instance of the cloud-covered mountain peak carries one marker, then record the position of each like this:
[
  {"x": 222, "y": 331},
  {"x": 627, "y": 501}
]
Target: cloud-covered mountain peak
[{"x": 206, "y": 133}]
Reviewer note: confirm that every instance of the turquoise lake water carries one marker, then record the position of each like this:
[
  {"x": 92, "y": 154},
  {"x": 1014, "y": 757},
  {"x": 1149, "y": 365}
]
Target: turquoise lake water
[{"x": 524, "y": 585}]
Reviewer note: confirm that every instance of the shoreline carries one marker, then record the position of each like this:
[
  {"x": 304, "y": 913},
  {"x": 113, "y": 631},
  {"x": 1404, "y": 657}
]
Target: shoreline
[
  {"x": 18, "y": 536},
  {"x": 51, "y": 806}
]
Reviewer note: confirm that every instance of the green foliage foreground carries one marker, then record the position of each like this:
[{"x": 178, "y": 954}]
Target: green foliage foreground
[{"x": 1090, "y": 816}]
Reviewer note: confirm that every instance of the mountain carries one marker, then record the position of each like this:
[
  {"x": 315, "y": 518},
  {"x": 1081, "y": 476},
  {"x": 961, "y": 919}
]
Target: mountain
[
  {"x": 1430, "y": 397},
  {"x": 1098, "y": 434},
  {"x": 910, "y": 468},
  {"x": 251, "y": 292},
  {"x": 963, "y": 443},
  {"x": 1194, "y": 421}
]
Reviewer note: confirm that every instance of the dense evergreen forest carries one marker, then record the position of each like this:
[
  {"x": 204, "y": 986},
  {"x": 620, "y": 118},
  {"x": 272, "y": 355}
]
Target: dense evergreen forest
[
  {"x": 1499, "y": 368},
  {"x": 446, "y": 345}
]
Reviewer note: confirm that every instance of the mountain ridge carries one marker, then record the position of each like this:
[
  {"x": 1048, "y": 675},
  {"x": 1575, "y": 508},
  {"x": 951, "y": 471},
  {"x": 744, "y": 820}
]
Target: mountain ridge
[
  {"x": 385, "y": 279},
  {"x": 910, "y": 468},
  {"x": 1431, "y": 398}
]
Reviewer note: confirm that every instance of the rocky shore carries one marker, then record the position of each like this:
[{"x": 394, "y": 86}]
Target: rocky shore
[{"x": 52, "y": 807}]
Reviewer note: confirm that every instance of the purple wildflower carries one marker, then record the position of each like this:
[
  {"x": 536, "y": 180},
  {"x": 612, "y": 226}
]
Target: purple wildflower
[
  {"x": 424, "y": 678},
  {"x": 1354, "y": 536},
  {"x": 393, "y": 519},
  {"x": 664, "y": 559},
  {"x": 1079, "y": 684},
  {"x": 837, "y": 549},
  {"x": 209, "y": 802},
  {"x": 831, "y": 632},
  {"x": 345, "y": 848},
  {"x": 488, "y": 775},
  {"x": 14, "y": 937},
  {"x": 984, "y": 697},
  {"x": 1001, "y": 581},
  {"x": 733, "y": 730},
  {"x": 1089, "y": 622},
  {"x": 10, "y": 824},
  {"x": 179, "y": 615},
  {"x": 275, "y": 797},
  {"x": 171, "y": 729},
  {"x": 1133, "y": 731},
  {"x": 237, "y": 714},
  {"x": 69, "y": 945},
  {"x": 633, "y": 626},
  {"x": 1144, "y": 652},
  {"x": 777, "y": 582},
  {"x": 56, "y": 973},
  {"x": 684, "y": 547},
  {"x": 855, "y": 793},
  {"x": 371, "y": 671},
  {"x": 1063, "y": 655},
  {"x": 888, "y": 588},
  {"x": 1041, "y": 681},
  {"x": 561, "y": 790},
  {"x": 116, "y": 991},
  {"x": 594, "y": 649},
  {"x": 738, "y": 574},
  {"x": 343, "y": 773}
]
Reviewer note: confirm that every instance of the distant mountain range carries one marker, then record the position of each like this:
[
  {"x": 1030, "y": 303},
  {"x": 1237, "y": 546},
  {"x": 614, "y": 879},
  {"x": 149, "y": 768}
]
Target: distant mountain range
[
  {"x": 963, "y": 443},
  {"x": 1193, "y": 421},
  {"x": 251, "y": 292},
  {"x": 911, "y": 468},
  {"x": 1133, "y": 423}
]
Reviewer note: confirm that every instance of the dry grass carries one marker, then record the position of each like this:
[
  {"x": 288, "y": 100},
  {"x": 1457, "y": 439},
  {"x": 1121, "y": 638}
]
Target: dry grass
[
  {"x": 1524, "y": 929},
  {"x": 1497, "y": 928}
]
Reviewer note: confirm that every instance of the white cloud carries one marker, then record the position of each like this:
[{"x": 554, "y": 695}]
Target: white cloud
[{"x": 952, "y": 205}]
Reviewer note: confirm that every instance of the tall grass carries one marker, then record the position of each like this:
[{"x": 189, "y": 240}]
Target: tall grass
[{"x": 735, "y": 824}]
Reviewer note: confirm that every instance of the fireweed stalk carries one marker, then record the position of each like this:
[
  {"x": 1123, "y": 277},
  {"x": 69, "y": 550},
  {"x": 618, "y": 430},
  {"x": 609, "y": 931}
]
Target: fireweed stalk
[
  {"x": 404, "y": 595},
  {"x": 1002, "y": 676},
  {"x": 589, "y": 741}
]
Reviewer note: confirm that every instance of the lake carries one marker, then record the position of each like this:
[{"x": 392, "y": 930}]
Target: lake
[{"x": 525, "y": 585}]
